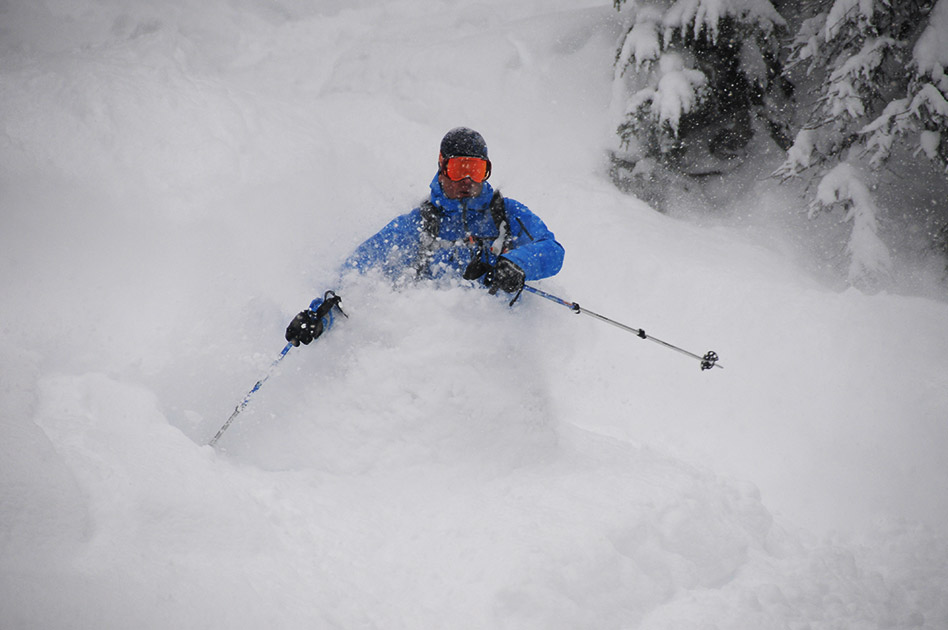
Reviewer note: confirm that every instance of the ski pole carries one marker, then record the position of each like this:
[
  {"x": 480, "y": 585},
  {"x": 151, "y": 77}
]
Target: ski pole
[
  {"x": 323, "y": 313},
  {"x": 246, "y": 401},
  {"x": 708, "y": 361}
]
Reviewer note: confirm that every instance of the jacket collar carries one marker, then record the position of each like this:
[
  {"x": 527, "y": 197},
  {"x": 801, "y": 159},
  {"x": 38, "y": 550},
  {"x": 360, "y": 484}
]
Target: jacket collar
[{"x": 455, "y": 205}]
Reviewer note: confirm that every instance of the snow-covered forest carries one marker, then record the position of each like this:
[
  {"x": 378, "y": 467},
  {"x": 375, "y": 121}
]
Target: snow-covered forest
[
  {"x": 180, "y": 178},
  {"x": 846, "y": 99}
]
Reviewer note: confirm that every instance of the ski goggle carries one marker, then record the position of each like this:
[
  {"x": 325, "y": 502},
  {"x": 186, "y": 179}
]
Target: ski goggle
[{"x": 457, "y": 168}]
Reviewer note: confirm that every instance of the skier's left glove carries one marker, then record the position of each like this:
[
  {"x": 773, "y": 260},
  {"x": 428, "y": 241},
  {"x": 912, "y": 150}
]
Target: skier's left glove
[{"x": 505, "y": 276}]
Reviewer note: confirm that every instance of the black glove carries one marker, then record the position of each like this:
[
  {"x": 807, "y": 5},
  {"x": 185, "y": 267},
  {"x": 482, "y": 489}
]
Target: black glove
[
  {"x": 476, "y": 269},
  {"x": 505, "y": 276},
  {"x": 305, "y": 327},
  {"x": 310, "y": 324}
]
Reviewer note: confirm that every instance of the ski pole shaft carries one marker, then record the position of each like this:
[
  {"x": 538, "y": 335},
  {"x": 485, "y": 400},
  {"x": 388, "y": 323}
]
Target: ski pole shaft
[
  {"x": 246, "y": 401},
  {"x": 708, "y": 361}
]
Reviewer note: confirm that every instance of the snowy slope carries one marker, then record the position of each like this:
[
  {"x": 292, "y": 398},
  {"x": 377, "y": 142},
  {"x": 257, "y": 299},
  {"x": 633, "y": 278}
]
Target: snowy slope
[{"x": 179, "y": 179}]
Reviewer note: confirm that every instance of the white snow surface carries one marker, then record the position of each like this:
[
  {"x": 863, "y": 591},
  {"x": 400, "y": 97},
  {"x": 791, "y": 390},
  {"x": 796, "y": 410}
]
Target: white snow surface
[{"x": 180, "y": 178}]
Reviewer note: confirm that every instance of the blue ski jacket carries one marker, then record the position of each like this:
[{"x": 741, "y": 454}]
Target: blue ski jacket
[{"x": 466, "y": 231}]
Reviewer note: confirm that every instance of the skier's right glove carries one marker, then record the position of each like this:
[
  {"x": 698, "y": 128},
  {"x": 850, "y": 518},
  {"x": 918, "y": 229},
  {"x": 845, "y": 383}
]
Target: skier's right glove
[
  {"x": 304, "y": 328},
  {"x": 310, "y": 324}
]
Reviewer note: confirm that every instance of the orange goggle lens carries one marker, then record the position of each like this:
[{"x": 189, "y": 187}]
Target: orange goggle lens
[{"x": 457, "y": 168}]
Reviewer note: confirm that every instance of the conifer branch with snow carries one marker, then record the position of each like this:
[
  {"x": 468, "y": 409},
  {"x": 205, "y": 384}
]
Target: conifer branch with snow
[{"x": 869, "y": 257}]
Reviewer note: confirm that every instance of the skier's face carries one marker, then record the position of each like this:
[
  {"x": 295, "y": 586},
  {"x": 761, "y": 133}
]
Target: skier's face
[{"x": 461, "y": 189}]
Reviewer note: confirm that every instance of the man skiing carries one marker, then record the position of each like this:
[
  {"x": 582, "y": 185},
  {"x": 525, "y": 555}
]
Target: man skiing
[{"x": 464, "y": 229}]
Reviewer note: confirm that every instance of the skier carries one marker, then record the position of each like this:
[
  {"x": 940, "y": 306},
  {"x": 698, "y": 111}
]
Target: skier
[{"x": 464, "y": 229}]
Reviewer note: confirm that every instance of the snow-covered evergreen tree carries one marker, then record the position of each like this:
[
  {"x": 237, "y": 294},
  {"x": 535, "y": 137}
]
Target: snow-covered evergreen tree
[
  {"x": 702, "y": 78},
  {"x": 879, "y": 66}
]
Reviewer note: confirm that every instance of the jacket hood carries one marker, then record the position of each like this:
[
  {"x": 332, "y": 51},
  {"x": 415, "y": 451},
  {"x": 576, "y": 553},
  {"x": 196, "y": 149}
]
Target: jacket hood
[{"x": 455, "y": 205}]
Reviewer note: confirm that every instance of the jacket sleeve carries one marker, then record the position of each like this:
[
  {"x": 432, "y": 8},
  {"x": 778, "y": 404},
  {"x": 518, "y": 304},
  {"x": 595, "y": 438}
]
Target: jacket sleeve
[
  {"x": 392, "y": 249},
  {"x": 533, "y": 247}
]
